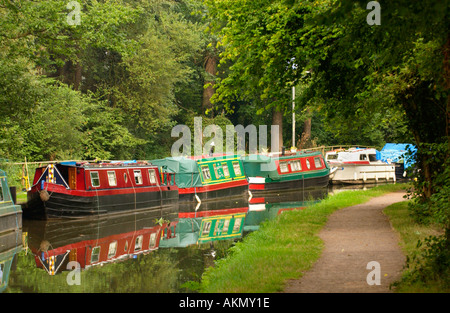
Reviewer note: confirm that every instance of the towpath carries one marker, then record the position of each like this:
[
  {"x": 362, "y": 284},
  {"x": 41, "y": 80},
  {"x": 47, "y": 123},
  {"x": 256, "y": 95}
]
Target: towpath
[{"x": 353, "y": 237}]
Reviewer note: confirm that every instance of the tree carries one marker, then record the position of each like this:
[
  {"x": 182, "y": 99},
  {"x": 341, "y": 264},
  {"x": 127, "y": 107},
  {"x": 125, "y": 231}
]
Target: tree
[
  {"x": 269, "y": 45},
  {"x": 132, "y": 61}
]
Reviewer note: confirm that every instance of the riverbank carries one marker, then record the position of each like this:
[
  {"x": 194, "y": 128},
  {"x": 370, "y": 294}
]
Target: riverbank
[
  {"x": 282, "y": 249},
  {"x": 413, "y": 239}
]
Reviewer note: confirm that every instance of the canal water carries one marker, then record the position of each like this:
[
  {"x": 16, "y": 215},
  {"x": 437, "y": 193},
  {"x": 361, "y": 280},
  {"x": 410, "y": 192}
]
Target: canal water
[{"x": 164, "y": 250}]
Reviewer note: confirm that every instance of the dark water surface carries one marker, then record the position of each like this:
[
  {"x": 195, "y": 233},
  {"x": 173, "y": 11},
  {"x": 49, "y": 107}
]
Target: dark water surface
[{"x": 161, "y": 250}]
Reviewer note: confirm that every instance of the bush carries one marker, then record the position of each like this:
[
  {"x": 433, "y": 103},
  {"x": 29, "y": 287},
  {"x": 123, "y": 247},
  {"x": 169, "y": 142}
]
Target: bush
[{"x": 433, "y": 260}]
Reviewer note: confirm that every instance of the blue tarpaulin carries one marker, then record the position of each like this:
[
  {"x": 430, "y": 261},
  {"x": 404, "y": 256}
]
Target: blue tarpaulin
[{"x": 397, "y": 152}]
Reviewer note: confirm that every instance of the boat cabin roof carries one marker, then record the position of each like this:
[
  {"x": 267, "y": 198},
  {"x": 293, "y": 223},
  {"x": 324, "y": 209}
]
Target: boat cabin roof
[{"x": 354, "y": 154}]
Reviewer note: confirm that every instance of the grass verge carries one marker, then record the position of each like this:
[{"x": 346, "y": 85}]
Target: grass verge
[
  {"x": 411, "y": 233},
  {"x": 282, "y": 248}
]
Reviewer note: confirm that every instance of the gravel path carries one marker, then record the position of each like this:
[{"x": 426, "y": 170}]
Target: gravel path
[{"x": 353, "y": 237}]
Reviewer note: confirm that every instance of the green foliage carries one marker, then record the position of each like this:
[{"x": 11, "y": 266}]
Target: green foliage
[
  {"x": 429, "y": 263},
  {"x": 433, "y": 209},
  {"x": 133, "y": 61},
  {"x": 426, "y": 268}
]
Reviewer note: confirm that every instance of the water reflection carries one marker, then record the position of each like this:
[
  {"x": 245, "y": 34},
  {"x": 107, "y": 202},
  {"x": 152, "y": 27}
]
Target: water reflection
[
  {"x": 10, "y": 245},
  {"x": 98, "y": 241},
  {"x": 154, "y": 251},
  {"x": 268, "y": 206}
]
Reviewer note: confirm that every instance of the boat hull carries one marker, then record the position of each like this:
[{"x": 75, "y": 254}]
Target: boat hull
[
  {"x": 230, "y": 190},
  {"x": 264, "y": 185},
  {"x": 64, "y": 203},
  {"x": 363, "y": 173},
  {"x": 307, "y": 183}
]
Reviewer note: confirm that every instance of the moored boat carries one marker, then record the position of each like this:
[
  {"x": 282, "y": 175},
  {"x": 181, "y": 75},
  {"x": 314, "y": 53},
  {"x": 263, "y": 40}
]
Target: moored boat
[
  {"x": 359, "y": 166},
  {"x": 80, "y": 189},
  {"x": 299, "y": 170},
  {"x": 401, "y": 155},
  {"x": 10, "y": 213},
  {"x": 206, "y": 178}
]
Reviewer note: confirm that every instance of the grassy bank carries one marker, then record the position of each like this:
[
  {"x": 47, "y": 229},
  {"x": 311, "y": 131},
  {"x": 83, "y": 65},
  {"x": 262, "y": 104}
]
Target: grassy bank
[
  {"x": 411, "y": 233},
  {"x": 282, "y": 248}
]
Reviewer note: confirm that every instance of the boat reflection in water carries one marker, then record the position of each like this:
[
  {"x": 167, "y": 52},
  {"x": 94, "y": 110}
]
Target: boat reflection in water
[
  {"x": 269, "y": 205},
  {"x": 10, "y": 245},
  {"x": 230, "y": 219},
  {"x": 207, "y": 222},
  {"x": 10, "y": 230},
  {"x": 97, "y": 241}
]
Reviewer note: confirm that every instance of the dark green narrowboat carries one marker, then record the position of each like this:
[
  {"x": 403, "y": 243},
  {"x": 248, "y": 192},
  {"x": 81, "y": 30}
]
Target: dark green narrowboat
[{"x": 299, "y": 170}]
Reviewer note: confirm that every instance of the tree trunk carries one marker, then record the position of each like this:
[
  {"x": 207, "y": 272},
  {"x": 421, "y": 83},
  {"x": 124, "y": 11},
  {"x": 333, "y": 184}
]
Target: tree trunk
[
  {"x": 210, "y": 68},
  {"x": 277, "y": 119},
  {"x": 304, "y": 141},
  {"x": 77, "y": 76}
]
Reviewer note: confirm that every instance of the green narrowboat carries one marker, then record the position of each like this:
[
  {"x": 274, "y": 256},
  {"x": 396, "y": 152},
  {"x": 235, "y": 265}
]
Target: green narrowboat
[
  {"x": 299, "y": 170},
  {"x": 10, "y": 213},
  {"x": 206, "y": 178}
]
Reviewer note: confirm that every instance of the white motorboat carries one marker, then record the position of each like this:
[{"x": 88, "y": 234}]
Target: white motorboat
[{"x": 359, "y": 166}]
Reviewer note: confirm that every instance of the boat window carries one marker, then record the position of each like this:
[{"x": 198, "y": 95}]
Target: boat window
[
  {"x": 138, "y": 177},
  {"x": 362, "y": 157},
  {"x": 372, "y": 157},
  {"x": 226, "y": 172},
  {"x": 217, "y": 228},
  {"x": 152, "y": 240},
  {"x": 226, "y": 223},
  {"x": 152, "y": 175},
  {"x": 112, "y": 249},
  {"x": 95, "y": 255},
  {"x": 138, "y": 243},
  {"x": 317, "y": 162},
  {"x": 112, "y": 178},
  {"x": 1, "y": 193},
  {"x": 216, "y": 172},
  {"x": 125, "y": 177},
  {"x": 237, "y": 225},
  {"x": 308, "y": 165},
  {"x": 332, "y": 156},
  {"x": 296, "y": 166},
  {"x": 237, "y": 169},
  {"x": 283, "y": 167},
  {"x": 206, "y": 228},
  {"x": 95, "y": 181},
  {"x": 205, "y": 172}
]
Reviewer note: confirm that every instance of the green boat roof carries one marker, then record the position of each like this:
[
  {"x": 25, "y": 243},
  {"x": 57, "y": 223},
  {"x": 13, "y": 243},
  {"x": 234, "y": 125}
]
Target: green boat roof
[
  {"x": 177, "y": 165},
  {"x": 264, "y": 165}
]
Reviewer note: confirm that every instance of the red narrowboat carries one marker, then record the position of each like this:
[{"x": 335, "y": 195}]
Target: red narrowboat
[{"x": 80, "y": 189}]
